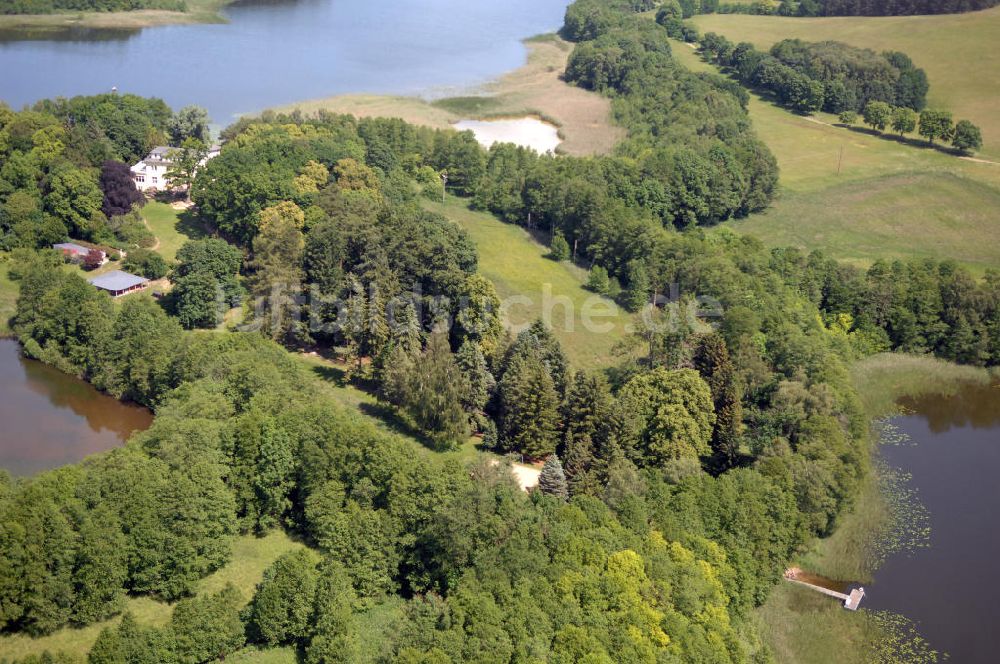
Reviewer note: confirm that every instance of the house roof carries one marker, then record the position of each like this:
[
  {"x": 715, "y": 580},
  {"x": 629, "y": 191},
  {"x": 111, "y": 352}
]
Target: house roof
[
  {"x": 117, "y": 281},
  {"x": 160, "y": 151},
  {"x": 73, "y": 247}
]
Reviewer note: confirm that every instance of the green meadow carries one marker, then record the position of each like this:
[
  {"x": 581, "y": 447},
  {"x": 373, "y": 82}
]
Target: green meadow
[
  {"x": 861, "y": 197},
  {"x": 8, "y": 297},
  {"x": 958, "y": 51},
  {"x": 517, "y": 265}
]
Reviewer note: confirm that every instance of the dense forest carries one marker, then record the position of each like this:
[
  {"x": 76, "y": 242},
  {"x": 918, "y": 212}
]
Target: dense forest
[
  {"x": 677, "y": 485},
  {"x": 61, "y": 6}
]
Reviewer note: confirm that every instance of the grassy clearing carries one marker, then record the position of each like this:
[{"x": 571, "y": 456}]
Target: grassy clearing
[
  {"x": 861, "y": 197},
  {"x": 8, "y": 297},
  {"x": 517, "y": 266},
  {"x": 958, "y": 51},
  {"x": 172, "y": 227},
  {"x": 264, "y": 656},
  {"x": 251, "y": 556},
  {"x": 198, "y": 11},
  {"x": 583, "y": 118},
  {"x": 804, "y": 627},
  {"x": 932, "y": 215}
]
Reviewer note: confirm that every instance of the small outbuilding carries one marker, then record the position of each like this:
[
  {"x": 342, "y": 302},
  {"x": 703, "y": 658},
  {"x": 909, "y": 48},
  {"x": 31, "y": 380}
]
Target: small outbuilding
[
  {"x": 119, "y": 283},
  {"x": 77, "y": 252}
]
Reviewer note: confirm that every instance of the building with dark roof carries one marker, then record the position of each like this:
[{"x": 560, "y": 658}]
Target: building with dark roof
[{"x": 119, "y": 283}]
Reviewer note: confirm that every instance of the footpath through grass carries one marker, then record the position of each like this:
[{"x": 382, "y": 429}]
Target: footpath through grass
[
  {"x": 518, "y": 267},
  {"x": 861, "y": 197},
  {"x": 251, "y": 556}
]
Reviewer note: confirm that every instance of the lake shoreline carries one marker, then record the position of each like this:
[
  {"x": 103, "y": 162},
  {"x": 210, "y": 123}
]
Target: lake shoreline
[
  {"x": 533, "y": 90},
  {"x": 805, "y": 627},
  {"x": 200, "y": 11}
]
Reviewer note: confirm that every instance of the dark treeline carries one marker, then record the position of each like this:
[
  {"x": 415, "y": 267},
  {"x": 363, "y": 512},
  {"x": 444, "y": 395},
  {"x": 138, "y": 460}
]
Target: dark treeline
[
  {"x": 59, "y": 6},
  {"x": 828, "y": 76},
  {"x": 846, "y": 7},
  {"x": 897, "y": 7}
]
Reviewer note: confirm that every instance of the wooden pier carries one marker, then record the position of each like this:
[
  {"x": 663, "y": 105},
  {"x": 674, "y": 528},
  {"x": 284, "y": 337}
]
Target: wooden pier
[{"x": 851, "y": 601}]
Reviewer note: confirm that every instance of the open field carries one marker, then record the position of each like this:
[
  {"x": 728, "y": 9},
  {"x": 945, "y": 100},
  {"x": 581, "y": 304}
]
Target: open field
[
  {"x": 861, "y": 197},
  {"x": 199, "y": 11},
  {"x": 583, "y": 118},
  {"x": 958, "y": 51},
  {"x": 251, "y": 556},
  {"x": 517, "y": 266},
  {"x": 8, "y": 297}
]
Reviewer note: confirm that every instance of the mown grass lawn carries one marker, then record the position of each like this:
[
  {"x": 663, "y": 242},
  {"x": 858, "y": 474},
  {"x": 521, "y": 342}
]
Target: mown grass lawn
[
  {"x": 518, "y": 267},
  {"x": 861, "y": 197},
  {"x": 251, "y": 556},
  {"x": 163, "y": 221}
]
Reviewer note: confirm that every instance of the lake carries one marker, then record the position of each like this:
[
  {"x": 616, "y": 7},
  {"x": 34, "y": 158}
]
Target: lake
[
  {"x": 528, "y": 132},
  {"x": 948, "y": 588},
  {"x": 275, "y": 52},
  {"x": 49, "y": 419}
]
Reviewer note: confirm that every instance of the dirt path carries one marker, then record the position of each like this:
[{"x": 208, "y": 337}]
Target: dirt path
[{"x": 156, "y": 239}]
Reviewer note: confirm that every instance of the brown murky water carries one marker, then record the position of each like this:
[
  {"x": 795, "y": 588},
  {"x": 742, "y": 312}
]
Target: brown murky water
[
  {"x": 950, "y": 588},
  {"x": 49, "y": 419}
]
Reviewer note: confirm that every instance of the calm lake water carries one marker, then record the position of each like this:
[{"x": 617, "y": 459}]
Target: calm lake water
[
  {"x": 49, "y": 419},
  {"x": 280, "y": 51},
  {"x": 951, "y": 589}
]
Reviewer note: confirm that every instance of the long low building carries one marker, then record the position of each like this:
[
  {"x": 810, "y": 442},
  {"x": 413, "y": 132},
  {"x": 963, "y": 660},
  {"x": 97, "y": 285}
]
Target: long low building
[{"x": 119, "y": 283}]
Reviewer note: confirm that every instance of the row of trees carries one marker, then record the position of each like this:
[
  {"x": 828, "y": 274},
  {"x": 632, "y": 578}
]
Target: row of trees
[
  {"x": 62, "y": 6},
  {"x": 846, "y": 7},
  {"x": 892, "y": 7},
  {"x": 930, "y": 124},
  {"x": 829, "y": 76}
]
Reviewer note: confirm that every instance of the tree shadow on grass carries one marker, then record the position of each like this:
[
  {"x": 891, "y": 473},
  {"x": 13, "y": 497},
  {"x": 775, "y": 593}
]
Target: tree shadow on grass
[
  {"x": 912, "y": 142},
  {"x": 383, "y": 412},
  {"x": 191, "y": 225}
]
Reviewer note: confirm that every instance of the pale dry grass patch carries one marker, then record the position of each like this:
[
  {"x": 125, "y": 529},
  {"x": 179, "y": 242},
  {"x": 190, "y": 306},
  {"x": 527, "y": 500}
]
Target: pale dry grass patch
[{"x": 535, "y": 89}]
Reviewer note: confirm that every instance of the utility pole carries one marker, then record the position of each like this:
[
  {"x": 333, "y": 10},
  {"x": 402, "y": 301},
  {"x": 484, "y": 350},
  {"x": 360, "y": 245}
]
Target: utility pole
[
  {"x": 444, "y": 185},
  {"x": 840, "y": 161}
]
